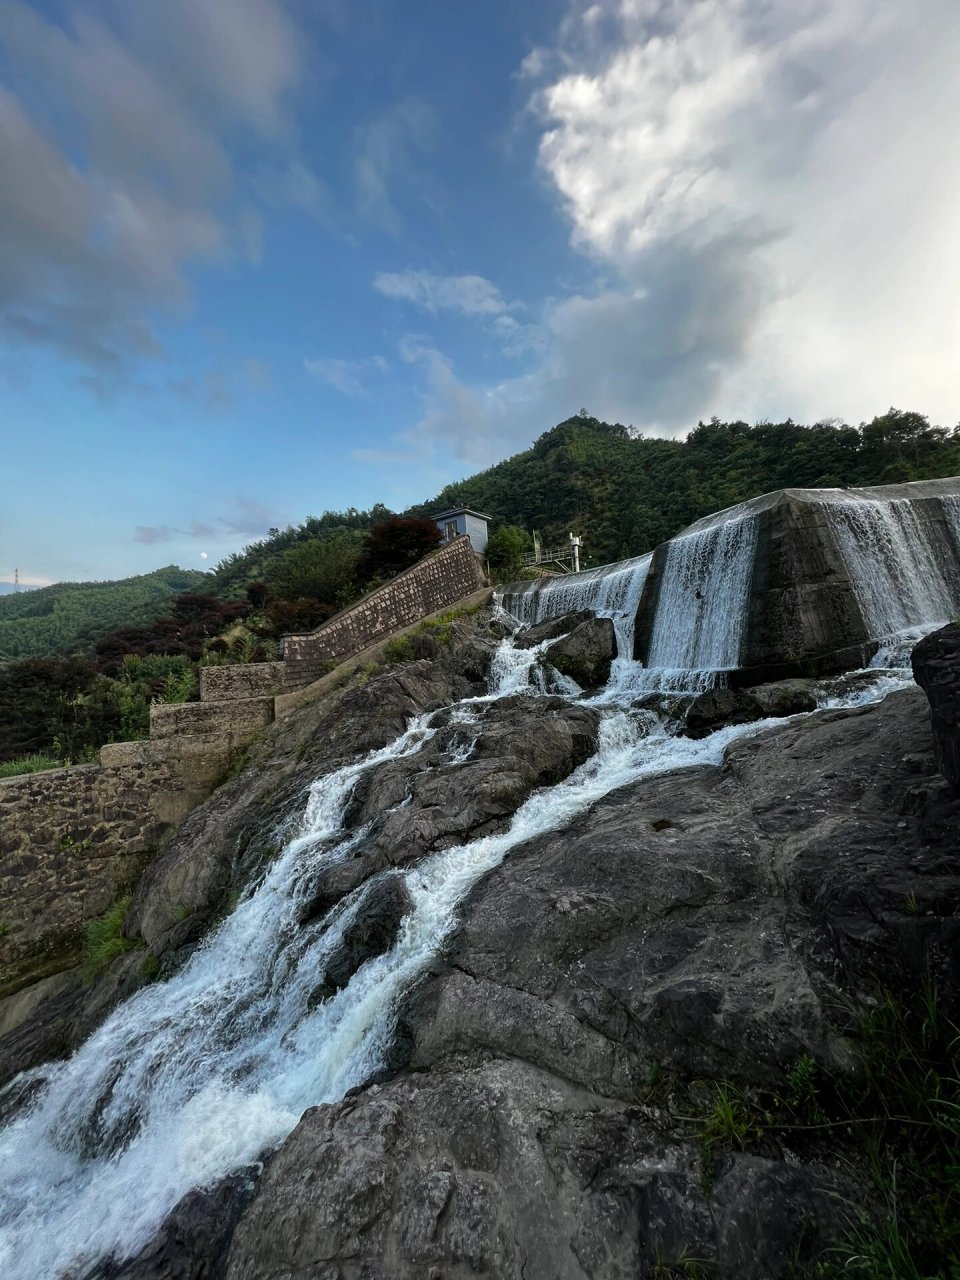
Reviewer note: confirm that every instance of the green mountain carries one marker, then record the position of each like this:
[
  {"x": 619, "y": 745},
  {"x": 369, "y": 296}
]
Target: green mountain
[
  {"x": 70, "y": 617},
  {"x": 625, "y": 492}
]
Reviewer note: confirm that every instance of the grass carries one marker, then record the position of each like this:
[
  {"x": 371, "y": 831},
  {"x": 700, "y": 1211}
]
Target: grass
[
  {"x": 36, "y": 763},
  {"x": 399, "y": 649},
  {"x": 104, "y": 939},
  {"x": 896, "y": 1121}
]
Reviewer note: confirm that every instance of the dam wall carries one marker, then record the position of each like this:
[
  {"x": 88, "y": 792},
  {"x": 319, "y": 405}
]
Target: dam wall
[{"x": 796, "y": 582}]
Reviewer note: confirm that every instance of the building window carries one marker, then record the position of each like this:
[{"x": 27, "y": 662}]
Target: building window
[{"x": 450, "y": 530}]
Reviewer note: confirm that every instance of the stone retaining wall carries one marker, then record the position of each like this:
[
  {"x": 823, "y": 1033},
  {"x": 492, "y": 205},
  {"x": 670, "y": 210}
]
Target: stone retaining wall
[
  {"x": 241, "y": 680},
  {"x": 242, "y": 716},
  {"x": 437, "y": 582},
  {"x": 74, "y": 840}
]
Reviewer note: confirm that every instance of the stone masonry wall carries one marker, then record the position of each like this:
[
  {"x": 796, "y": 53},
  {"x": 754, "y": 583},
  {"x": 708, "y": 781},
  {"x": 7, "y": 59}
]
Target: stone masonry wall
[
  {"x": 440, "y": 580},
  {"x": 241, "y": 680},
  {"x": 74, "y": 840}
]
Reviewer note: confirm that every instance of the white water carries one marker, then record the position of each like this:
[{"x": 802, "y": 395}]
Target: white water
[
  {"x": 897, "y": 567},
  {"x": 194, "y": 1077},
  {"x": 701, "y": 612}
]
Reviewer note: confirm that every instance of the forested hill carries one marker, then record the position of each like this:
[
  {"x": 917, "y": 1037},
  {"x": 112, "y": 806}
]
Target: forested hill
[
  {"x": 625, "y": 492},
  {"x": 70, "y": 617}
]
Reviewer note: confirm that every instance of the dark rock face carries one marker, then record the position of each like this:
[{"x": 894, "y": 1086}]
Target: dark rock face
[
  {"x": 586, "y": 653},
  {"x": 719, "y": 707},
  {"x": 195, "y": 1237},
  {"x": 551, "y": 628},
  {"x": 372, "y": 931},
  {"x": 709, "y": 921},
  {"x": 936, "y": 669},
  {"x": 784, "y": 697},
  {"x": 504, "y": 1170}
]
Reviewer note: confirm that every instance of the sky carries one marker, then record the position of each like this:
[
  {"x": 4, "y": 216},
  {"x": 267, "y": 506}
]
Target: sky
[{"x": 264, "y": 258}]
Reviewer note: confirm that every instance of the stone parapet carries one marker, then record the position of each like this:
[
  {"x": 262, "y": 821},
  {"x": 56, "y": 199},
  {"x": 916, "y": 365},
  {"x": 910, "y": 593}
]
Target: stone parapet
[
  {"x": 436, "y": 583},
  {"x": 241, "y": 680}
]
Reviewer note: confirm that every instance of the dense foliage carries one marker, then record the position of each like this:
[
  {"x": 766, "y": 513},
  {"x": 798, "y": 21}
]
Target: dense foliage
[
  {"x": 70, "y": 617},
  {"x": 622, "y": 491},
  {"x": 625, "y": 492}
]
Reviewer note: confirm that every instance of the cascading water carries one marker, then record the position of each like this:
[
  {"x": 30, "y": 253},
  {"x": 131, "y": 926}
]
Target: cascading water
[
  {"x": 698, "y": 628},
  {"x": 193, "y": 1077},
  {"x": 900, "y": 576},
  {"x": 701, "y": 612}
]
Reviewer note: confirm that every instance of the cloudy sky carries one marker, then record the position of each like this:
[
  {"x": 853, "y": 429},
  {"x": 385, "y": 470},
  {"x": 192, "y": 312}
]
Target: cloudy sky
[{"x": 259, "y": 258}]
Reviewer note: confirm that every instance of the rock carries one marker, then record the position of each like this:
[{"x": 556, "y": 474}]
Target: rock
[
  {"x": 586, "y": 653},
  {"x": 372, "y": 931},
  {"x": 505, "y": 1171},
  {"x": 936, "y": 669},
  {"x": 784, "y": 697},
  {"x": 718, "y": 708},
  {"x": 551, "y": 629},
  {"x": 193, "y": 1241}
]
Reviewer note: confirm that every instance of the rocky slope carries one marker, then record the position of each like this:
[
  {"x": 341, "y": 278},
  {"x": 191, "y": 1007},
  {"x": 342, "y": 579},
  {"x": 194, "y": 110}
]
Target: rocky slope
[{"x": 541, "y": 1111}]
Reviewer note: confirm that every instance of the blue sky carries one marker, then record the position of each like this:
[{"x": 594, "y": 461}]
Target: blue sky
[{"x": 260, "y": 258}]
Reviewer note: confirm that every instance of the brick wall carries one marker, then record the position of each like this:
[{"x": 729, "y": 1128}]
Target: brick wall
[{"x": 435, "y": 583}]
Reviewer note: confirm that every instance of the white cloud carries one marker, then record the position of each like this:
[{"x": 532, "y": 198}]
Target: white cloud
[
  {"x": 767, "y": 194},
  {"x": 103, "y": 208},
  {"x": 385, "y": 151},
  {"x": 470, "y": 295},
  {"x": 349, "y": 377}
]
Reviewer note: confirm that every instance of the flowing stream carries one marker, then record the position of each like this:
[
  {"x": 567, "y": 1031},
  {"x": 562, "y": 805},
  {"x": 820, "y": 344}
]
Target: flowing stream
[{"x": 194, "y": 1077}]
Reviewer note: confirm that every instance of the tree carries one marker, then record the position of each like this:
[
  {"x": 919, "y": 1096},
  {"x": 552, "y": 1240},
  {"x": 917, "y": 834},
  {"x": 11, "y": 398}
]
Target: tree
[
  {"x": 505, "y": 551},
  {"x": 321, "y": 570},
  {"x": 395, "y": 544}
]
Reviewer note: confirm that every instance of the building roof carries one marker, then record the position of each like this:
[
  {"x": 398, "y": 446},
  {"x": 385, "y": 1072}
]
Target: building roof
[{"x": 461, "y": 511}]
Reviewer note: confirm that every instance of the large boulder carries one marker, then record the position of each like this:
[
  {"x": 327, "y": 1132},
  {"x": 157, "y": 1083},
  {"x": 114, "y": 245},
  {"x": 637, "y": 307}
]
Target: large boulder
[
  {"x": 936, "y": 669},
  {"x": 783, "y": 698},
  {"x": 501, "y": 1170},
  {"x": 718, "y": 708},
  {"x": 551, "y": 628},
  {"x": 585, "y": 654}
]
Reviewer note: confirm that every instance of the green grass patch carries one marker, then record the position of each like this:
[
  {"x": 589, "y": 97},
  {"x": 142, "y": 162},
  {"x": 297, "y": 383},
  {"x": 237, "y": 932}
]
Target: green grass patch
[
  {"x": 399, "y": 649},
  {"x": 29, "y": 764},
  {"x": 104, "y": 939}
]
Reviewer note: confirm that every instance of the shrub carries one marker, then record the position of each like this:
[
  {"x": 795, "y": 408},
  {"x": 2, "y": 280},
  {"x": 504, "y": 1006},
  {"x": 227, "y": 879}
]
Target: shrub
[{"x": 399, "y": 649}]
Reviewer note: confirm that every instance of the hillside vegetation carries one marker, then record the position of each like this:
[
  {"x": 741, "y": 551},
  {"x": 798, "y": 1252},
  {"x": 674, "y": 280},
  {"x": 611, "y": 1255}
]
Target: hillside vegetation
[
  {"x": 70, "y": 617},
  {"x": 623, "y": 492}
]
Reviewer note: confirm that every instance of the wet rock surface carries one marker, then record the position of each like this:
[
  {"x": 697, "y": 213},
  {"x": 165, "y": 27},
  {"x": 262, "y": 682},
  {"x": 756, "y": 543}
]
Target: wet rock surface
[
  {"x": 936, "y": 668},
  {"x": 719, "y": 707},
  {"x": 785, "y": 697},
  {"x": 586, "y": 653},
  {"x": 710, "y": 922}
]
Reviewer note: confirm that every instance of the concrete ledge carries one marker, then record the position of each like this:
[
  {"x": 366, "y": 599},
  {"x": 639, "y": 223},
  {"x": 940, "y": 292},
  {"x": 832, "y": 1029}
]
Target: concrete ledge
[
  {"x": 241, "y": 680},
  {"x": 244, "y": 716},
  {"x": 285, "y": 703}
]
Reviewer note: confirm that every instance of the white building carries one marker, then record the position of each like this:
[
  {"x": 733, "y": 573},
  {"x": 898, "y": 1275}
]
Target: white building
[{"x": 462, "y": 520}]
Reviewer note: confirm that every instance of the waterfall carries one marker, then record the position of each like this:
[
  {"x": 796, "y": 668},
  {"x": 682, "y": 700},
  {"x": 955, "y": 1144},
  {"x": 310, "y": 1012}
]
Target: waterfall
[
  {"x": 610, "y": 591},
  {"x": 899, "y": 575},
  {"x": 701, "y": 612},
  {"x": 192, "y": 1078}
]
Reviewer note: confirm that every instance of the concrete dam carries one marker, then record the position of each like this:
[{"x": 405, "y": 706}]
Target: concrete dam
[{"x": 805, "y": 582}]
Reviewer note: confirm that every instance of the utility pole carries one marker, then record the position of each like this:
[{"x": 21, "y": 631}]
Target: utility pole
[
  {"x": 16, "y": 579},
  {"x": 575, "y": 544}
]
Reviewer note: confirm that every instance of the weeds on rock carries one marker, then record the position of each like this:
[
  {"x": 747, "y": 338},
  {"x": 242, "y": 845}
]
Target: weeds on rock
[{"x": 104, "y": 939}]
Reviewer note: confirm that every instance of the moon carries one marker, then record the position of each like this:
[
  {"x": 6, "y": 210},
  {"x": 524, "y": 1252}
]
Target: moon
[{"x": 203, "y": 555}]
